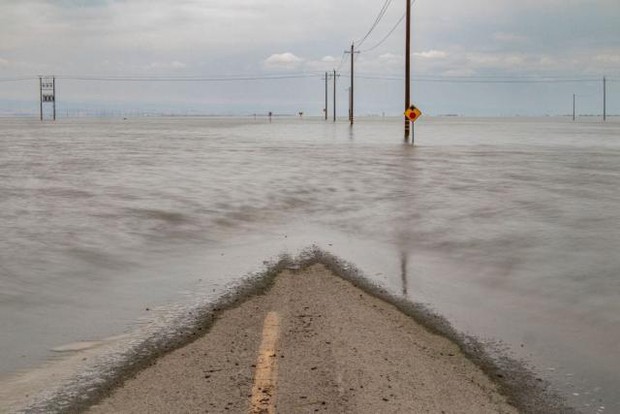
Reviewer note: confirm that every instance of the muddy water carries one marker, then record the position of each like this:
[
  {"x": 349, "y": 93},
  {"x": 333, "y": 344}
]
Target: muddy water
[{"x": 510, "y": 227}]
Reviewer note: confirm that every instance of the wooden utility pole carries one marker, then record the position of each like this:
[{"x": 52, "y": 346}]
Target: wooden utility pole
[
  {"x": 334, "y": 95},
  {"x": 350, "y": 105},
  {"x": 54, "y": 95},
  {"x": 408, "y": 124},
  {"x": 351, "y": 94},
  {"x": 352, "y": 76},
  {"x": 325, "y": 109},
  {"x": 41, "y": 98},
  {"x": 573, "y": 107}
]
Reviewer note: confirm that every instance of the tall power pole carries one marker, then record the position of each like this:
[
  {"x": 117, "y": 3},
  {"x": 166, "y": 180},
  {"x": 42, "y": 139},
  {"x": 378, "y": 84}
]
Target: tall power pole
[
  {"x": 54, "y": 95},
  {"x": 335, "y": 76},
  {"x": 351, "y": 95},
  {"x": 325, "y": 108},
  {"x": 352, "y": 77},
  {"x": 350, "y": 105},
  {"x": 408, "y": 70},
  {"x": 40, "y": 98},
  {"x": 573, "y": 107}
]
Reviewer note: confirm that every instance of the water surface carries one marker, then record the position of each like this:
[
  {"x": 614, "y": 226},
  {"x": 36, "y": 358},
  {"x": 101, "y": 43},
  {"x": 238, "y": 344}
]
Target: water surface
[{"x": 509, "y": 227}]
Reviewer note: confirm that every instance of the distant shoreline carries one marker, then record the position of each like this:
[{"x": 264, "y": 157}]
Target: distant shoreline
[{"x": 264, "y": 115}]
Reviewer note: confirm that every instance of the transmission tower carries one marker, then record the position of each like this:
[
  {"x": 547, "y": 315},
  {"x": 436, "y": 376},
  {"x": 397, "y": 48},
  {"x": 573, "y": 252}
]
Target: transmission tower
[{"x": 47, "y": 94}]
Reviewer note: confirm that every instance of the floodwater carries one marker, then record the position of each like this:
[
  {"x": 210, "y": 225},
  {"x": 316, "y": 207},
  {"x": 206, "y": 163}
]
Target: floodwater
[{"x": 508, "y": 227}]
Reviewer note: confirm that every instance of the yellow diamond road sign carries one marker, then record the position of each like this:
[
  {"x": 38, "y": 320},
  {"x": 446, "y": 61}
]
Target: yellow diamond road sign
[{"x": 412, "y": 113}]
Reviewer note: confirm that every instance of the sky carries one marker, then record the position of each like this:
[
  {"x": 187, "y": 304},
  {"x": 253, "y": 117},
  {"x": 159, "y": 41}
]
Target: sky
[{"x": 470, "y": 57}]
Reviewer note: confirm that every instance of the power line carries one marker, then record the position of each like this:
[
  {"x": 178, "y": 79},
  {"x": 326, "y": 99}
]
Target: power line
[
  {"x": 384, "y": 8},
  {"x": 18, "y": 79},
  {"x": 389, "y": 33},
  {"x": 187, "y": 78},
  {"x": 437, "y": 79},
  {"x": 193, "y": 78},
  {"x": 480, "y": 79},
  {"x": 344, "y": 54}
]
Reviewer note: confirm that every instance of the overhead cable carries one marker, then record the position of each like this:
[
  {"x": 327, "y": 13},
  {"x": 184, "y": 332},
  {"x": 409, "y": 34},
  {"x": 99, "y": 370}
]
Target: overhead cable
[
  {"x": 387, "y": 36},
  {"x": 344, "y": 54},
  {"x": 186, "y": 78},
  {"x": 17, "y": 79},
  {"x": 386, "y": 5},
  {"x": 449, "y": 79}
]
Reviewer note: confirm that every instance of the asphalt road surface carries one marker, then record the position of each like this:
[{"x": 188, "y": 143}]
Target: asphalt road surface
[{"x": 312, "y": 343}]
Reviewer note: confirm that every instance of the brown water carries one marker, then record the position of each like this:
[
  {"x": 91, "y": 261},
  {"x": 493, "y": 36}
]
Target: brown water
[{"x": 508, "y": 227}]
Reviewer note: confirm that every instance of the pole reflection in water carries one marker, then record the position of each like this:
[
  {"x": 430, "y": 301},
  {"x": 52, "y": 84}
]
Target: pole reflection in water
[{"x": 403, "y": 271}]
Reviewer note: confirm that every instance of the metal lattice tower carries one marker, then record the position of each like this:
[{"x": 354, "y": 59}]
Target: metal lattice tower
[{"x": 47, "y": 94}]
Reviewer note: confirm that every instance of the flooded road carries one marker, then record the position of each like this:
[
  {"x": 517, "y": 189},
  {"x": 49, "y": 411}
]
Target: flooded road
[{"x": 508, "y": 227}]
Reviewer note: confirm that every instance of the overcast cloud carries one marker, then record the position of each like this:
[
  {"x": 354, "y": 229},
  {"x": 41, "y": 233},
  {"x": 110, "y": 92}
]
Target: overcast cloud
[{"x": 552, "y": 38}]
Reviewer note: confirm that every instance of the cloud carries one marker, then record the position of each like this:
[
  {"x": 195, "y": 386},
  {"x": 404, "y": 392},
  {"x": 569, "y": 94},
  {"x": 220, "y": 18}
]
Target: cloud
[
  {"x": 326, "y": 63},
  {"x": 432, "y": 54},
  {"x": 390, "y": 61},
  {"x": 386, "y": 63},
  {"x": 216, "y": 37},
  {"x": 329, "y": 59},
  {"x": 608, "y": 58},
  {"x": 459, "y": 72},
  {"x": 285, "y": 60}
]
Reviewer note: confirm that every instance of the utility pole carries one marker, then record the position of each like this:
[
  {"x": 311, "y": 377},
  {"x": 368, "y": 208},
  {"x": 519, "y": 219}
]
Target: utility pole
[
  {"x": 352, "y": 77},
  {"x": 351, "y": 95},
  {"x": 335, "y": 75},
  {"x": 604, "y": 99},
  {"x": 325, "y": 108},
  {"x": 573, "y": 107},
  {"x": 408, "y": 71},
  {"x": 54, "y": 95},
  {"x": 350, "y": 105},
  {"x": 41, "y": 98}
]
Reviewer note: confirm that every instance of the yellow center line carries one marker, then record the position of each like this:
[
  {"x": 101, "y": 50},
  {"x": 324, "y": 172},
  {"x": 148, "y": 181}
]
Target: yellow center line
[{"x": 264, "y": 390}]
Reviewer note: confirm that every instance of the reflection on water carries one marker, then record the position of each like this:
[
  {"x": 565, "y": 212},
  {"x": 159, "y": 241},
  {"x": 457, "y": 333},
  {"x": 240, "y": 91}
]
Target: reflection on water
[
  {"x": 403, "y": 272},
  {"x": 509, "y": 227}
]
